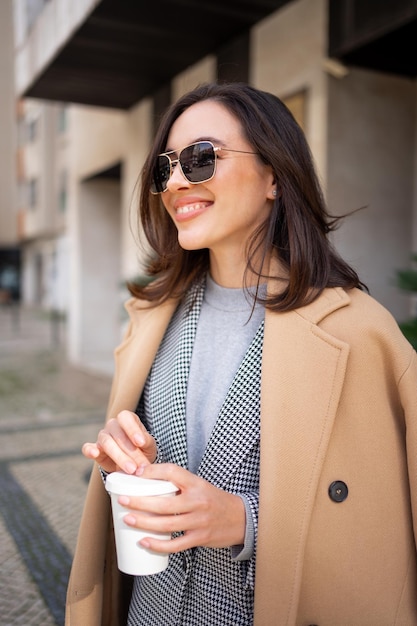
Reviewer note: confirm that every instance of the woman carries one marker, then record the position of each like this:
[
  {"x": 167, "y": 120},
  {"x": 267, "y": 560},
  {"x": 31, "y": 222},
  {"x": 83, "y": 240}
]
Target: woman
[{"x": 260, "y": 378}]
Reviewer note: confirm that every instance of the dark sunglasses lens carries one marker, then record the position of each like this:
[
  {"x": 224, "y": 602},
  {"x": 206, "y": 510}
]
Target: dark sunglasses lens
[
  {"x": 161, "y": 174},
  {"x": 198, "y": 162}
]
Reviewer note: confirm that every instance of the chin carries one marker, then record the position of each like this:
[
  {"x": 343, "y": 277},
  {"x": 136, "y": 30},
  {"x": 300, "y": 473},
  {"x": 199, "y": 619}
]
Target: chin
[{"x": 187, "y": 243}]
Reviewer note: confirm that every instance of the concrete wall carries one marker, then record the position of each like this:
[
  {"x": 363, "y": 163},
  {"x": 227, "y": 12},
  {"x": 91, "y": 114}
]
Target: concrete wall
[
  {"x": 201, "y": 72},
  {"x": 288, "y": 50},
  {"x": 103, "y": 250},
  {"x": 43, "y": 225},
  {"x": 138, "y": 137},
  {"x": 45, "y": 158},
  {"x": 371, "y": 162},
  {"x": 8, "y": 217},
  {"x": 94, "y": 309},
  {"x": 38, "y": 160},
  {"x": 98, "y": 139}
]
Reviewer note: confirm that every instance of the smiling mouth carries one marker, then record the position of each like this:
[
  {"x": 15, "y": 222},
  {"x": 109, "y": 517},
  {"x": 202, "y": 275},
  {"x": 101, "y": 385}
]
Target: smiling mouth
[{"x": 189, "y": 208}]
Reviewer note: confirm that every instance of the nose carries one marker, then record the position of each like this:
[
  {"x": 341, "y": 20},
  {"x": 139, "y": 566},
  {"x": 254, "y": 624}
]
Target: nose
[{"x": 177, "y": 179}]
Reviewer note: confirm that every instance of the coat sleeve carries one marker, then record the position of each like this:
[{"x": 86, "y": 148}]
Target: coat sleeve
[
  {"x": 98, "y": 594},
  {"x": 408, "y": 392},
  {"x": 88, "y": 600}
]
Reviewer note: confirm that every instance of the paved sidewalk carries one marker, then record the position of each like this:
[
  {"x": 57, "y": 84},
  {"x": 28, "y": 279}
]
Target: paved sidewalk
[{"x": 47, "y": 410}]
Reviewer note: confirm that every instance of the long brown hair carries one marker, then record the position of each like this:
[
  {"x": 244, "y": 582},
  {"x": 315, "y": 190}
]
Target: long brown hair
[{"x": 296, "y": 230}]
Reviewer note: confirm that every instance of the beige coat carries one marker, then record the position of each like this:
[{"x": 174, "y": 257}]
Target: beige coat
[{"x": 338, "y": 403}]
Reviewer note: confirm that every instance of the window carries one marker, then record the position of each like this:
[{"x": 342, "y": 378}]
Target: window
[
  {"x": 62, "y": 119},
  {"x": 33, "y": 9},
  {"x": 32, "y": 130},
  {"x": 32, "y": 193},
  {"x": 21, "y": 132},
  {"x": 63, "y": 192},
  {"x": 22, "y": 193}
]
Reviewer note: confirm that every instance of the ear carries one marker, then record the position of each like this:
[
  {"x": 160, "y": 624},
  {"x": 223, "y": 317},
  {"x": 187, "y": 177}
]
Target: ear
[{"x": 273, "y": 191}]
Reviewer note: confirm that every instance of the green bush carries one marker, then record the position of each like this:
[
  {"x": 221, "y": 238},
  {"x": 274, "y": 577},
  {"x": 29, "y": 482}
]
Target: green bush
[{"x": 407, "y": 281}]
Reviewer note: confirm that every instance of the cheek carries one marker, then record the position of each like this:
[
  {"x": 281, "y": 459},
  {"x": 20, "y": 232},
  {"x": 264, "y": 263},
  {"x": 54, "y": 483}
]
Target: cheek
[
  {"x": 170, "y": 213},
  {"x": 164, "y": 199},
  {"x": 257, "y": 180}
]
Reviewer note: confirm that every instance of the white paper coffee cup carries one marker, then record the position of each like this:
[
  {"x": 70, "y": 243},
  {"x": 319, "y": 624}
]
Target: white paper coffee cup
[{"x": 132, "y": 558}]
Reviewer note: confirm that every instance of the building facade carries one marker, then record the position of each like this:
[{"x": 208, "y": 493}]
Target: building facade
[
  {"x": 114, "y": 67},
  {"x": 9, "y": 248}
]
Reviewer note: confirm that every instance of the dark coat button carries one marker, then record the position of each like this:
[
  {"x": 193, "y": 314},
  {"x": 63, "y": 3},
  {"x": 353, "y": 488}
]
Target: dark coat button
[{"x": 338, "y": 491}]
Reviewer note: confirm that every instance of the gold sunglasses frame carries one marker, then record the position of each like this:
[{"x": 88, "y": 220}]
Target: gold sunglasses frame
[{"x": 173, "y": 162}]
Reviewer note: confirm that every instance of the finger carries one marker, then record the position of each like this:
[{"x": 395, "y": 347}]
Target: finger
[
  {"x": 157, "y": 505},
  {"x": 93, "y": 451},
  {"x": 172, "y": 546},
  {"x": 175, "y": 474},
  {"x": 133, "y": 428},
  {"x": 156, "y": 523},
  {"x": 131, "y": 435},
  {"x": 90, "y": 450},
  {"x": 116, "y": 430},
  {"x": 124, "y": 455}
]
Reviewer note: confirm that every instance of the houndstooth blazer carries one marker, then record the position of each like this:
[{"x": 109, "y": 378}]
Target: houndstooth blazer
[{"x": 202, "y": 586}]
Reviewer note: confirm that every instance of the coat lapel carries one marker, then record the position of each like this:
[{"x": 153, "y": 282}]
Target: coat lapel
[
  {"x": 302, "y": 375},
  {"x": 135, "y": 355}
]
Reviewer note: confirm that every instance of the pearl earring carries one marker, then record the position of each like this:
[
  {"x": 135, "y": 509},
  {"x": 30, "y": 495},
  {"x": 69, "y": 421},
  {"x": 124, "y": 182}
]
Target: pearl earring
[{"x": 274, "y": 193}]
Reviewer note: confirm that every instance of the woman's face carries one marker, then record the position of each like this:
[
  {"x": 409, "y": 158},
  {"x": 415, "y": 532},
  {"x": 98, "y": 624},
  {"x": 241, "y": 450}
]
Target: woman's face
[{"x": 222, "y": 213}]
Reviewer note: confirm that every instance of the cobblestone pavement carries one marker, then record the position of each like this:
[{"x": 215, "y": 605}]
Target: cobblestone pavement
[{"x": 47, "y": 410}]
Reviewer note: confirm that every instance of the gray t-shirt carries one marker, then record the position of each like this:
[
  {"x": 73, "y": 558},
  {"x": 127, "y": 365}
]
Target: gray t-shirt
[{"x": 224, "y": 333}]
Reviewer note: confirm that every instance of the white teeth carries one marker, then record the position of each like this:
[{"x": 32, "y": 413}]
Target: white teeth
[{"x": 190, "y": 207}]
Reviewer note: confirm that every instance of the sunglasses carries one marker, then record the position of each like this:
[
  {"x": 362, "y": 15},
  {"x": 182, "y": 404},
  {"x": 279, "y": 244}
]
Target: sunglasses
[{"x": 197, "y": 163}]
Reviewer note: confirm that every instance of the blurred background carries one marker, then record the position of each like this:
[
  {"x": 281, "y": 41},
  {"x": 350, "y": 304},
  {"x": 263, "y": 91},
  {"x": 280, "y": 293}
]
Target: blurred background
[{"x": 82, "y": 86}]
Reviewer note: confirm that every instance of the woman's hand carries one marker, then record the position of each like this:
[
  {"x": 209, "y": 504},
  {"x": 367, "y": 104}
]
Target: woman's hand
[
  {"x": 207, "y": 515},
  {"x": 123, "y": 444}
]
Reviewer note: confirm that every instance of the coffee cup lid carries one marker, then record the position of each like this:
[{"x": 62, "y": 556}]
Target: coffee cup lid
[{"x": 128, "y": 485}]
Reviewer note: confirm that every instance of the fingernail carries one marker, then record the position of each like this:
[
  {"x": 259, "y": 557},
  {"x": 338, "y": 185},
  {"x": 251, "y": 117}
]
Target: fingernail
[
  {"x": 124, "y": 500},
  {"x": 130, "y": 467},
  {"x": 139, "y": 440},
  {"x": 129, "y": 520},
  {"x": 145, "y": 543},
  {"x": 139, "y": 470}
]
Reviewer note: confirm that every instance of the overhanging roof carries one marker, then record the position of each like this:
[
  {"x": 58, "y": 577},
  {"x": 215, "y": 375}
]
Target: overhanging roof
[
  {"x": 375, "y": 34},
  {"x": 128, "y": 49}
]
